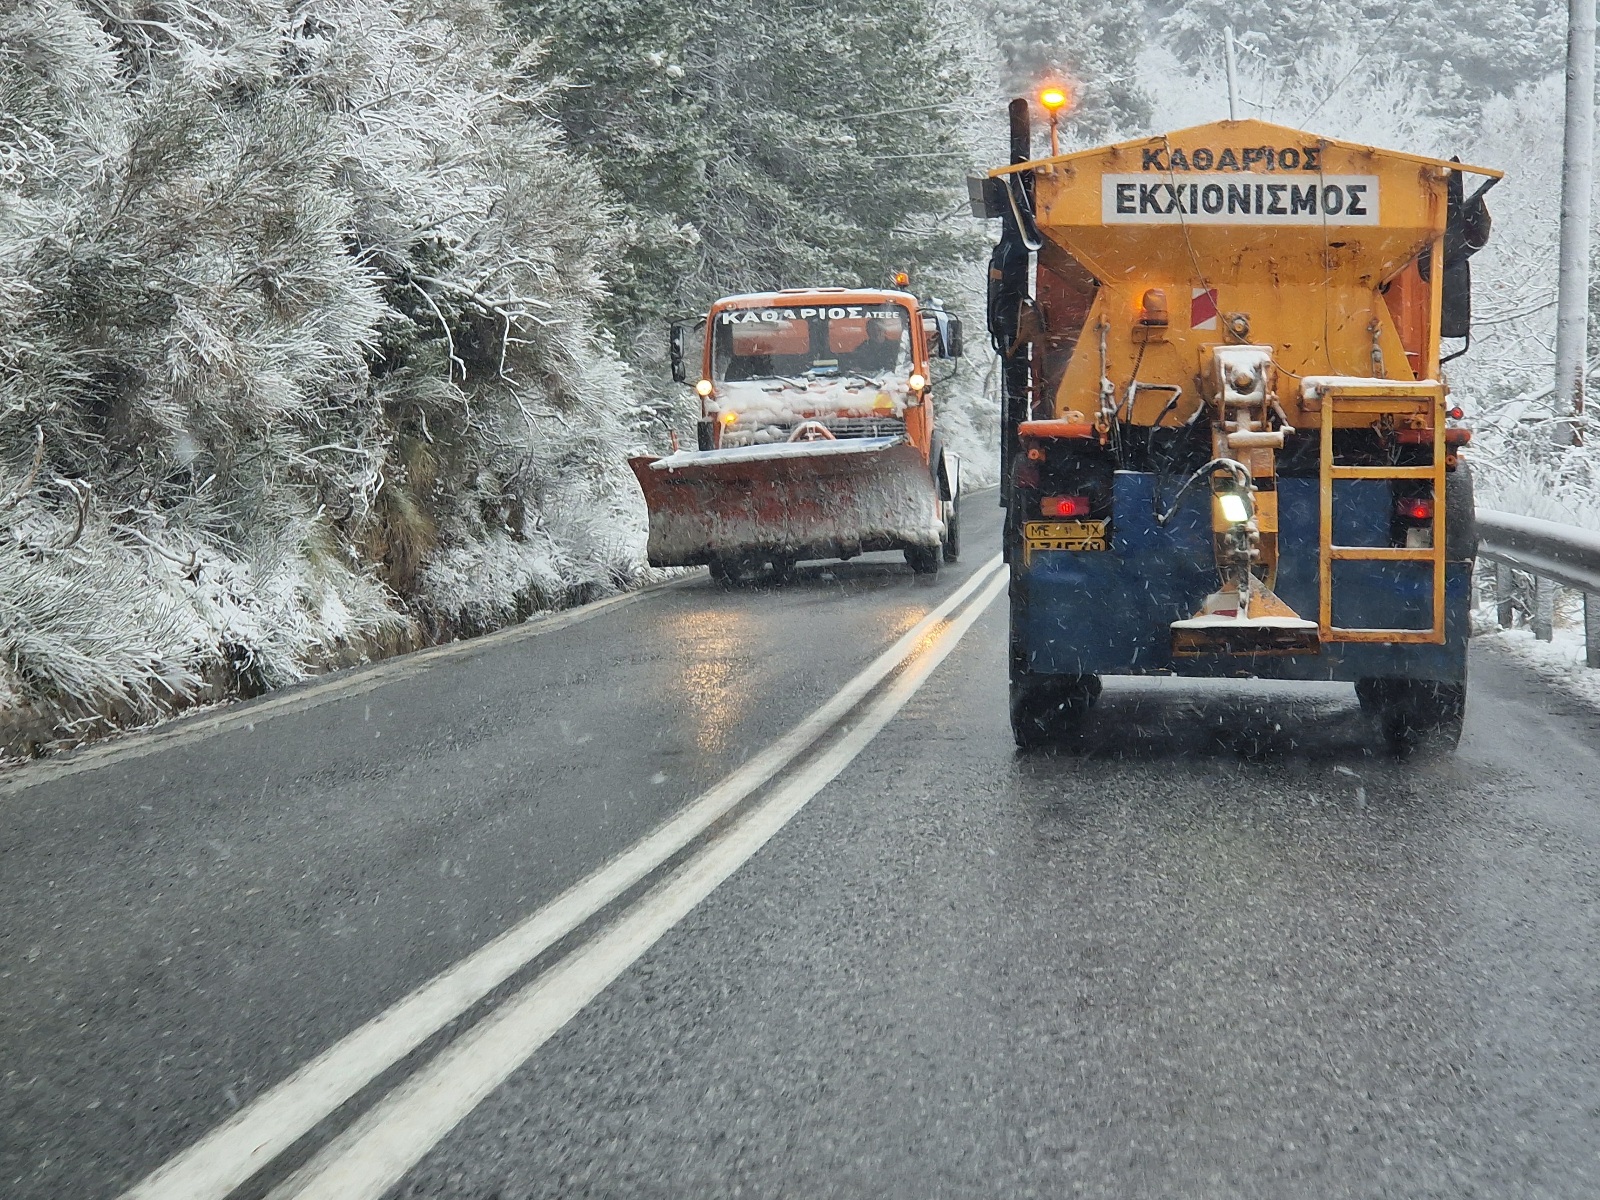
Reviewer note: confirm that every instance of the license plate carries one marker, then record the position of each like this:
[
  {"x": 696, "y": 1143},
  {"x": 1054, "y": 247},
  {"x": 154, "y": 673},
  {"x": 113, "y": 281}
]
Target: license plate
[{"x": 1062, "y": 535}]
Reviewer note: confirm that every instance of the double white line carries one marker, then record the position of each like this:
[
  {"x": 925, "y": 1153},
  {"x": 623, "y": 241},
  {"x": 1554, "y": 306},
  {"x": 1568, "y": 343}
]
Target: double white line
[{"x": 375, "y": 1152}]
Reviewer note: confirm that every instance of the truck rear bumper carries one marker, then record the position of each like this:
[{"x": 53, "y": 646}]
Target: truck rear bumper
[{"x": 1110, "y": 612}]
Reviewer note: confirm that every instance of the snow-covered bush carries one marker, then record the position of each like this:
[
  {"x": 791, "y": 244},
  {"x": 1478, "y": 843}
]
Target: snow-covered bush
[{"x": 297, "y": 336}]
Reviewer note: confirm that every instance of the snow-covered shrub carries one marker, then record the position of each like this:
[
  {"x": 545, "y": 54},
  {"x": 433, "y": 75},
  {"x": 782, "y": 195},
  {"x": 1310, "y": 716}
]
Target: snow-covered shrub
[{"x": 296, "y": 327}]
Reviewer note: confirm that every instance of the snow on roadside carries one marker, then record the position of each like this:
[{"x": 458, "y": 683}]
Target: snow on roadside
[{"x": 1559, "y": 662}]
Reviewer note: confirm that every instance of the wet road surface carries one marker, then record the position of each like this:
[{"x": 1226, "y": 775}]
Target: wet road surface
[{"x": 1224, "y": 947}]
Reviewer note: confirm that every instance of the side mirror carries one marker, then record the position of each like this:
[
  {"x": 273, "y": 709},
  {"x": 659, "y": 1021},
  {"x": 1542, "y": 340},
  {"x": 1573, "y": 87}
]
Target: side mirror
[
  {"x": 677, "y": 341},
  {"x": 952, "y": 337}
]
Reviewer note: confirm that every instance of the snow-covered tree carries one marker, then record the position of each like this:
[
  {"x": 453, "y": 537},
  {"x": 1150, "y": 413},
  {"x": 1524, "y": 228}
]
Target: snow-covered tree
[
  {"x": 1459, "y": 52},
  {"x": 298, "y": 308},
  {"x": 754, "y": 145},
  {"x": 1090, "y": 46}
]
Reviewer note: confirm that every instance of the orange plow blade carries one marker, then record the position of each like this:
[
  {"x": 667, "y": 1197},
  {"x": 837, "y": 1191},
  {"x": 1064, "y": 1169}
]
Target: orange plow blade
[{"x": 795, "y": 500}]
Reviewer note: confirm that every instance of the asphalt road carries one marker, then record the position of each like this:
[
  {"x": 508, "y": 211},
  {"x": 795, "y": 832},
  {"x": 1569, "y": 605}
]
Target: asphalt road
[{"x": 1229, "y": 948}]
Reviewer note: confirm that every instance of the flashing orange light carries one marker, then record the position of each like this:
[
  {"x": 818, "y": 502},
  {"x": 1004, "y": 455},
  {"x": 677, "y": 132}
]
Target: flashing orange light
[
  {"x": 1054, "y": 99},
  {"x": 901, "y": 279},
  {"x": 729, "y": 417},
  {"x": 1153, "y": 307}
]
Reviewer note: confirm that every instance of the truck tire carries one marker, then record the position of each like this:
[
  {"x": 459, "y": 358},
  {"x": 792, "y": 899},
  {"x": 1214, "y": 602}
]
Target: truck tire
[
  {"x": 924, "y": 560},
  {"x": 952, "y": 531},
  {"x": 1047, "y": 710},
  {"x": 1410, "y": 712}
]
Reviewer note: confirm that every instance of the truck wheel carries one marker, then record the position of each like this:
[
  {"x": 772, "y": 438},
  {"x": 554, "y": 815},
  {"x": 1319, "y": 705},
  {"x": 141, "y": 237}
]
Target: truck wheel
[
  {"x": 952, "y": 531},
  {"x": 1047, "y": 710},
  {"x": 924, "y": 560},
  {"x": 1411, "y": 711}
]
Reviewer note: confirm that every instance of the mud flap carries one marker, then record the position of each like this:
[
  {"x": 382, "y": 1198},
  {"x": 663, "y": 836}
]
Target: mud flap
[{"x": 826, "y": 499}]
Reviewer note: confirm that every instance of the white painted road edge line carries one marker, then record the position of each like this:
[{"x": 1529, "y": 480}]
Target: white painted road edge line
[
  {"x": 261, "y": 1130},
  {"x": 300, "y": 697},
  {"x": 378, "y": 1151}
]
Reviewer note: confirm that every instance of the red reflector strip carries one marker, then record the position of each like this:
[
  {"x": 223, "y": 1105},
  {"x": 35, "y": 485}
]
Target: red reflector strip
[
  {"x": 1416, "y": 508},
  {"x": 1065, "y": 506}
]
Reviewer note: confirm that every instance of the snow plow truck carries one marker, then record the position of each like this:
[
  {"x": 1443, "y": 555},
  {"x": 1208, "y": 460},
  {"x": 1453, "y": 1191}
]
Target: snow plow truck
[
  {"x": 1228, "y": 444},
  {"x": 816, "y": 436}
]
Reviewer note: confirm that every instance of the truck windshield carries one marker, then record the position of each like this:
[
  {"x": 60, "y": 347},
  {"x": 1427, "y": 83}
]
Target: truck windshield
[{"x": 871, "y": 341}]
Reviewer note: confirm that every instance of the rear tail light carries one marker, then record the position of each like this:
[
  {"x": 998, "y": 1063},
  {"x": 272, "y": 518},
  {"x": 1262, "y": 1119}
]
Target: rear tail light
[
  {"x": 1065, "y": 506},
  {"x": 1415, "y": 508}
]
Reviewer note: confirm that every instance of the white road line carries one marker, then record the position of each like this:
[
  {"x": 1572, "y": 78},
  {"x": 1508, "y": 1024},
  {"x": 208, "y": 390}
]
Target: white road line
[
  {"x": 304, "y": 696},
  {"x": 377, "y": 1152},
  {"x": 255, "y": 1135}
]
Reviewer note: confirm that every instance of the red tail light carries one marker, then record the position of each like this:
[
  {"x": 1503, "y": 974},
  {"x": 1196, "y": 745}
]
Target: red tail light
[
  {"x": 1065, "y": 506},
  {"x": 1415, "y": 508}
]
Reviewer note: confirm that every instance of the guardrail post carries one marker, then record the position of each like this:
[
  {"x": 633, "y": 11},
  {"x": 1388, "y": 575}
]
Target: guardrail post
[
  {"x": 1591, "y": 629},
  {"x": 1544, "y": 609},
  {"x": 1502, "y": 595}
]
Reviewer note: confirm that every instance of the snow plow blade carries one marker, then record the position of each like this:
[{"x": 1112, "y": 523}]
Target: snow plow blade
[{"x": 791, "y": 500}]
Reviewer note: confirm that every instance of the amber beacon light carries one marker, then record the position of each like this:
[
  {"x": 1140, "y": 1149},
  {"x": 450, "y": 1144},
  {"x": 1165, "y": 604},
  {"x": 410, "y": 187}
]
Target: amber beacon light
[
  {"x": 1054, "y": 99},
  {"x": 1153, "y": 308}
]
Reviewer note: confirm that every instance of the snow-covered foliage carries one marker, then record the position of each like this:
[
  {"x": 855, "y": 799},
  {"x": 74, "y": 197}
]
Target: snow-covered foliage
[
  {"x": 297, "y": 300},
  {"x": 1464, "y": 50},
  {"x": 1090, "y": 46},
  {"x": 1336, "y": 89}
]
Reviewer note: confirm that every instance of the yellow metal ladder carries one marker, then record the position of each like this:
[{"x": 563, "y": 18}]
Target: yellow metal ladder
[{"x": 1376, "y": 399}]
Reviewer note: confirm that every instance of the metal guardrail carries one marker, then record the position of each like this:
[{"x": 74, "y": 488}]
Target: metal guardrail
[{"x": 1552, "y": 553}]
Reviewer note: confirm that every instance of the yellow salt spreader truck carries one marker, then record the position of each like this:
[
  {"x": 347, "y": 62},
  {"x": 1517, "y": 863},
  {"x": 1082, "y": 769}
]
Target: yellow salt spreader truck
[{"x": 1228, "y": 444}]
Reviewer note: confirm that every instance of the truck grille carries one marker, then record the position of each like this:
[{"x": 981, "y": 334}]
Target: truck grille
[{"x": 863, "y": 427}]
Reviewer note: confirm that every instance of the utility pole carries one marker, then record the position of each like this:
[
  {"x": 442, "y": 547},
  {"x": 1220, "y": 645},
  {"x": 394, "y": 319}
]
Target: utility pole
[
  {"x": 1233, "y": 69},
  {"x": 1577, "y": 177}
]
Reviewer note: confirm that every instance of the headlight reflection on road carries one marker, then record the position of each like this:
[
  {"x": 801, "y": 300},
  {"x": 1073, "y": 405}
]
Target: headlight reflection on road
[
  {"x": 901, "y": 618},
  {"x": 715, "y": 683}
]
